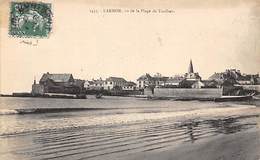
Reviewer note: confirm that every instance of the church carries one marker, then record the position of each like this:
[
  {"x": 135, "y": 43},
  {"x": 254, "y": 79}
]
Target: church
[{"x": 191, "y": 75}]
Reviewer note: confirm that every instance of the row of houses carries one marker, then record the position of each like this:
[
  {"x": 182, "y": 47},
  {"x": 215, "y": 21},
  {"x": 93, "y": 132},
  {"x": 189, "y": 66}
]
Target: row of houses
[
  {"x": 111, "y": 83},
  {"x": 191, "y": 79},
  {"x": 236, "y": 77},
  {"x": 65, "y": 83}
]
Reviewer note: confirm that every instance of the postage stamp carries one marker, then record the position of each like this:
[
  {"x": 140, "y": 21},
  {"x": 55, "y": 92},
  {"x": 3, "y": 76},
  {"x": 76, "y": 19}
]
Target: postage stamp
[{"x": 30, "y": 19}]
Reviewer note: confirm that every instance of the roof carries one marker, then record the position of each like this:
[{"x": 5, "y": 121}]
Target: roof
[
  {"x": 65, "y": 77},
  {"x": 216, "y": 76},
  {"x": 145, "y": 77},
  {"x": 160, "y": 78},
  {"x": 192, "y": 75},
  {"x": 89, "y": 82},
  {"x": 116, "y": 79},
  {"x": 79, "y": 82},
  {"x": 175, "y": 80},
  {"x": 98, "y": 81},
  {"x": 187, "y": 83},
  {"x": 190, "y": 69}
]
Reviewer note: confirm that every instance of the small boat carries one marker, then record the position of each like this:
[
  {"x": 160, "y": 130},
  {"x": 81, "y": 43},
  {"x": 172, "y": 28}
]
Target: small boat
[
  {"x": 99, "y": 95},
  {"x": 233, "y": 98}
]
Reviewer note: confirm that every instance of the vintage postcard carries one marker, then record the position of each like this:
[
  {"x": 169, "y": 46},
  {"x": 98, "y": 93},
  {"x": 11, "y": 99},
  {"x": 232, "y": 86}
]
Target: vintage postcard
[{"x": 129, "y": 80}]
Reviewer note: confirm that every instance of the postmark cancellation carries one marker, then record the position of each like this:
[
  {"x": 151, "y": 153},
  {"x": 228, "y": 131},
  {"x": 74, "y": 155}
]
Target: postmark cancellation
[{"x": 30, "y": 19}]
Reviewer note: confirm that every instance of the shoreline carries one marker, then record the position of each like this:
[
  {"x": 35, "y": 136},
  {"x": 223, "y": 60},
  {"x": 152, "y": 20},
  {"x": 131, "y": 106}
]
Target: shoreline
[{"x": 85, "y": 96}]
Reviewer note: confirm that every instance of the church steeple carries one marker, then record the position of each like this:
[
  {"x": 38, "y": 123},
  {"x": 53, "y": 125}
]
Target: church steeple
[
  {"x": 34, "y": 81},
  {"x": 190, "y": 70}
]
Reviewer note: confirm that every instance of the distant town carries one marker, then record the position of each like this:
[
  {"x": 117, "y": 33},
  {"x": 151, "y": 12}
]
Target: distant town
[{"x": 231, "y": 81}]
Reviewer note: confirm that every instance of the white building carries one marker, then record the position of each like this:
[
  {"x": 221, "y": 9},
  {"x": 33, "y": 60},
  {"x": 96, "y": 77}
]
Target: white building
[
  {"x": 113, "y": 82},
  {"x": 129, "y": 86},
  {"x": 145, "y": 81},
  {"x": 97, "y": 84}
]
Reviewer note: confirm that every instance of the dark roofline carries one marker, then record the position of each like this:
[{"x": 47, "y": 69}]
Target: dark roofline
[{"x": 115, "y": 79}]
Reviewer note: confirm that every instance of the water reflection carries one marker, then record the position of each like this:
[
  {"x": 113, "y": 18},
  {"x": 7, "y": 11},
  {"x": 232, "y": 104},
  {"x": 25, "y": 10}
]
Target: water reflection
[
  {"x": 195, "y": 128},
  {"x": 97, "y": 143}
]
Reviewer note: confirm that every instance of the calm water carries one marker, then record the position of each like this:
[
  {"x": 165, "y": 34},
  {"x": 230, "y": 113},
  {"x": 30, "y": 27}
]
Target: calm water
[{"x": 38, "y": 128}]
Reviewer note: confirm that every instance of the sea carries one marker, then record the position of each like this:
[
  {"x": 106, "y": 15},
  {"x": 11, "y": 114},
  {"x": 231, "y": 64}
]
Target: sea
[{"x": 112, "y": 127}]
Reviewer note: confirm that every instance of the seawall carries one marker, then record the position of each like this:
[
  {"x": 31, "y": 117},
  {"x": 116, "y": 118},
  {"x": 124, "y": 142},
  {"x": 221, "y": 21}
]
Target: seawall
[{"x": 184, "y": 93}]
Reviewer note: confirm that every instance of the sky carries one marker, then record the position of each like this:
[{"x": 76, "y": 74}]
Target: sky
[{"x": 215, "y": 35}]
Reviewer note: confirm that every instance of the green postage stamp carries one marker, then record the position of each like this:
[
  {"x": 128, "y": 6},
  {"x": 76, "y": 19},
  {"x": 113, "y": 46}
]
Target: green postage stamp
[{"x": 30, "y": 19}]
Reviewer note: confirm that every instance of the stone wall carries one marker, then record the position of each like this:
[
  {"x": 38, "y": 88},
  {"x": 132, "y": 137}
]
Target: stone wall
[{"x": 185, "y": 92}]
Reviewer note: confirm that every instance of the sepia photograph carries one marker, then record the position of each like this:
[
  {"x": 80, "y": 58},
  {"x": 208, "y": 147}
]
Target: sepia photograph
[{"x": 129, "y": 80}]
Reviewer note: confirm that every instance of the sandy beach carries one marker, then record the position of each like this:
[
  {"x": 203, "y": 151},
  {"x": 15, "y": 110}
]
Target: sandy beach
[
  {"x": 238, "y": 146},
  {"x": 128, "y": 128}
]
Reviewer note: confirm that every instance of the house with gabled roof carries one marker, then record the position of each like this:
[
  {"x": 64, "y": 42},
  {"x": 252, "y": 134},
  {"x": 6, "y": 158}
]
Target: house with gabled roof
[
  {"x": 94, "y": 84},
  {"x": 159, "y": 80},
  {"x": 114, "y": 82},
  {"x": 174, "y": 81},
  {"x": 129, "y": 86},
  {"x": 145, "y": 81},
  {"x": 58, "y": 79},
  {"x": 235, "y": 76},
  {"x": 61, "y": 83}
]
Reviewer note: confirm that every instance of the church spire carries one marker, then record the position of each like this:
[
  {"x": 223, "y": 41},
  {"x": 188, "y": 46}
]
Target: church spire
[
  {"x": 190, "y": 70},
  {"x": 34, "y": 81}
]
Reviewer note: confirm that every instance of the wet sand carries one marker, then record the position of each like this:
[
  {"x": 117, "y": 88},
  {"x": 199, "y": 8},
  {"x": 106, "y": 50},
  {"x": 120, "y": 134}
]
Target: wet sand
[
  {"x": 234, "y": 144},
  {"x": 195, "y": 130},
  {"x": 238, "y": 146},
  {"x": 226, "y": 136}
]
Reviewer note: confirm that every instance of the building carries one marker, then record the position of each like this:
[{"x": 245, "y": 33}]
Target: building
[
  {"x": 198, "y": 84},
  {"x": 98, "y": 84},
  {"x": 210, "y": 84},
  {"x": 234, "y": 76},
  {"x": 187, "y": 83},
  {"x": 37, "y": 89},
  {"x": 158, "y": 80},
  {"x": 58, "y": 83},
  {"x": 204, "y": 84},
  {"x": 145, "y": 81},
  {"x": 88, "y": 84},
  {"x": 48, "y": 79},
  {"x": 174, "y": 82},
  {"x": 129, "y": 86},
  {"x": 80, "y": 83},
  {"x": 95, "y": 84},
  {"x": 191, "y": 75},
  {"x": 114, "y": 83}
]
